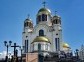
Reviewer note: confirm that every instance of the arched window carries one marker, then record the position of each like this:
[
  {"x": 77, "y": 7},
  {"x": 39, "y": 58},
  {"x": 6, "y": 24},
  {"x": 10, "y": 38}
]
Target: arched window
[
  {"x": 39, "y": 18},
  {"x": 39, "y": 47},
  {"x": 57, "y": 44},
  {"x": 55, "y": 21},
  {"x": 41, "y": 32},
  {"x": 26, "y": 46},
  {"x": 44, "y": 17}
]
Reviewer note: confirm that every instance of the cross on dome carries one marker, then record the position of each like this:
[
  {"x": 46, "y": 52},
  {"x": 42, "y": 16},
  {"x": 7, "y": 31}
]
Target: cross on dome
[
  {"x": 28, "y": 16},
  {"x": 44, "y": 4},
  {"x": 55, "y": 13}
]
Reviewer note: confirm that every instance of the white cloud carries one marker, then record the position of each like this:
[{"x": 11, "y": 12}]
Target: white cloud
[{"x": 2, "y": 54}]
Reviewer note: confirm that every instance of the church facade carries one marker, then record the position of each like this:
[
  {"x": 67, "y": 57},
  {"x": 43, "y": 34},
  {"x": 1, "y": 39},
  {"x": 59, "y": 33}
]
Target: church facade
[{"x": 45, "y": 36}]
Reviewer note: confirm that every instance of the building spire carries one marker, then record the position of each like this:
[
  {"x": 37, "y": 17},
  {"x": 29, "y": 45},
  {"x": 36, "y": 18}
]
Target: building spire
[{"x": 44, "y": 3}]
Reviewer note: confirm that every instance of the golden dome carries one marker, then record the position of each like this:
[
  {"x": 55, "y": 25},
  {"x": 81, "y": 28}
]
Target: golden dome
[
  {"x": 41, "y": 39},
  {"x": 56, "y": 16},
  {"x": 65, "y": 45},
  {"x": 46, "y": 10},
  {"x": 28, "y": 20}
]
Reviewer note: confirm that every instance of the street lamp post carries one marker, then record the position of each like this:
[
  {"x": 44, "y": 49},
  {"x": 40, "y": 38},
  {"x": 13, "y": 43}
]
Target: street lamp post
[
  {"x": 77, "y": 53},
  {"x": 7, "y": 45},
  {"x": 9, "y": 57},
  {"x": 21, "y": 49}
]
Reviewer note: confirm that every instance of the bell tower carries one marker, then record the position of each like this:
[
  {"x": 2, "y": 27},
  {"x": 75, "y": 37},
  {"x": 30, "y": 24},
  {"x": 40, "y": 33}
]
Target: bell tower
[
  {"x": 28, "y": 28},
  {"x": 44, "y": 16},
  {"x": 45, "y": 37},
  {"x": 28, "y": 25},
  {"x": 57, "y": 33}
]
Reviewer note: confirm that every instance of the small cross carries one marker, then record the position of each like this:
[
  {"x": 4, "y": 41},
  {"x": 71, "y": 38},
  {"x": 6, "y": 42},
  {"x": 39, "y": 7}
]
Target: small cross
[
  {"x": 55, "y": 12},
  {"x": 44, "y": 4},
  {"x": 28, "y": 16}
]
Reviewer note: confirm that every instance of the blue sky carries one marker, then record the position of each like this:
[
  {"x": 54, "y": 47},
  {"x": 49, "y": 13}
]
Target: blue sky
[{"x": 14, "y": 12}]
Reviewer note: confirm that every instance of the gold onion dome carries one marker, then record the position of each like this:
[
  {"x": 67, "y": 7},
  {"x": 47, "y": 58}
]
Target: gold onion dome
[
  {"x": 46, "y": 10},
  {"x": 28, "y": 20},
  {"x": 41, "y": 39},
  {"x": 56, "y": 16},
  {"x": 65, "y": 45},
  {"x": 56, "y": 19}
]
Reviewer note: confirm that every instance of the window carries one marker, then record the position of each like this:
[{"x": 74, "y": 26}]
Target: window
[
  {"x": 26, "y": 46},
  {"x": 39, "y": 47},
  {"x": 46, "y": 46},
  {"x": 44, "y": 17},
  {"x": 32, "y": 47},
  {"x": 41, "y": 32},
  {"x": 55, "y": 21},
  {"x": 56, "y": 43},
  {"x": 56, "y": 33},
  {"x": 26, "y": 36},
  {"x": 39, "y": 18}
]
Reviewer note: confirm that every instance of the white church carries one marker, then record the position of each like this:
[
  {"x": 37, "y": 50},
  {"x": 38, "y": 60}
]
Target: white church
[{"x": 45, "y": 36}]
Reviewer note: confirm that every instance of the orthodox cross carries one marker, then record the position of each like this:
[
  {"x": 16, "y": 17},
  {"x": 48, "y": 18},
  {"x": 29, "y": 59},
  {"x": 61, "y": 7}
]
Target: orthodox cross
[
  {"x": 55, "y": 13},
  {"x": 28, "y": 16},
  {"x": 44, "y": 4},
  {"x": 14, "y": 46}
]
